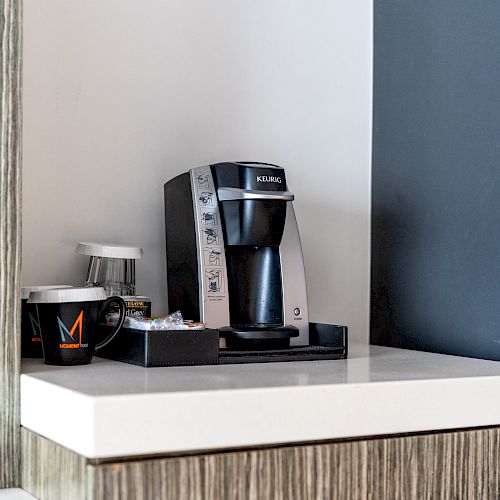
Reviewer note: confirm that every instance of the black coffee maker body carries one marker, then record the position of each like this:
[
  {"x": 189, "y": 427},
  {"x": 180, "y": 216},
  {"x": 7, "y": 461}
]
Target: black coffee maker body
[{"x": 234, "y": 258}]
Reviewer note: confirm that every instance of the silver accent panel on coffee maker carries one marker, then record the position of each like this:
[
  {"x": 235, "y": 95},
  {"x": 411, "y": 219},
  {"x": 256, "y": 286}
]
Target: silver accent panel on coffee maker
[
  {"x": 293, "y": 278},
  {"x": 212, "y": 273},
  {"x": 230, "y": 193}
]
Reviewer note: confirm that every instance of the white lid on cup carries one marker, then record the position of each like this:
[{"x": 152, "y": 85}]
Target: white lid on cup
[
  {"x": 65, "y": 295},
  {"x": 26, "y": 290},
  {"x": 108, "y": 250}
]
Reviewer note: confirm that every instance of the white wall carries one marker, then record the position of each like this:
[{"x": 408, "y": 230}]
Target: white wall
[{"x": 121, "y": 95}]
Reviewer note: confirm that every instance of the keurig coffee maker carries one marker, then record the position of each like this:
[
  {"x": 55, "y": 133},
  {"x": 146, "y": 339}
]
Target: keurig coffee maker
[{"x": 234, "y": 259}]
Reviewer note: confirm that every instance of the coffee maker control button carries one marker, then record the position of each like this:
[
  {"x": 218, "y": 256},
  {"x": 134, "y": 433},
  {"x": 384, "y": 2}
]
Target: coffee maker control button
[{"x": 296, "y": 311}]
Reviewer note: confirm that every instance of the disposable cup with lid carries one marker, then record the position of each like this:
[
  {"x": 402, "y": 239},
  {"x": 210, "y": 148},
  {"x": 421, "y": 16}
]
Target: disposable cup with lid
[
  {"x": 26, "y": 290},
  {"x": 71, "y": 322},
  {"x": 31, "y": 342},
  {"x": 66, "y": 295}
]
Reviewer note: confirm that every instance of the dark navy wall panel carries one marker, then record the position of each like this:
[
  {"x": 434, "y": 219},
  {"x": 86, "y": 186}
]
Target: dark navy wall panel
[{"x": 436, "y": 176}]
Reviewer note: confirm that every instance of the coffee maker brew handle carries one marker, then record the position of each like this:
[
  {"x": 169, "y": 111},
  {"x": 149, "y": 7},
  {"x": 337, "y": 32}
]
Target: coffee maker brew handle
[
  {"x": 118, "y": 326},
  {"x": 230, "y": 193}
]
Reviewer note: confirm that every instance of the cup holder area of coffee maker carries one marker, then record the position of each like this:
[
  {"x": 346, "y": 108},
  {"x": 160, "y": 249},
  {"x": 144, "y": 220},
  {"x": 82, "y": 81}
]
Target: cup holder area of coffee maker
[{"x": 258, "y": 337}]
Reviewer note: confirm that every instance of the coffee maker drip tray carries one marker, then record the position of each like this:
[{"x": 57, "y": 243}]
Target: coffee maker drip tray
[
  {"x": 258, "y": 337},
  {"x": 305, "y": 353}
]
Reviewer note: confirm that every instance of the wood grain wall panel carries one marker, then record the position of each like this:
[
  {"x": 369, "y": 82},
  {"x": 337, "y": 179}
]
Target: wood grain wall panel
[
  {"x": 10, "y": 238},
  {"x": 452, "y": 465},
  {"x": 51, "y": 471},
  {"x": 455, "y": 465},
  {"x": 302, "y": 472}
]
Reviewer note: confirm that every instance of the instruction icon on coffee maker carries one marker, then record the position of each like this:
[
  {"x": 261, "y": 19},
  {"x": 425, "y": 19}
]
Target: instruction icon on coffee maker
[{"x": 214, "y": 280}]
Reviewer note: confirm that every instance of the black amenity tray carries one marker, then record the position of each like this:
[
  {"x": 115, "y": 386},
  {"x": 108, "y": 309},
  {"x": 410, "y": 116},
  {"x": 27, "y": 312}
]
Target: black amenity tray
[{"x": 201, "y": 347}]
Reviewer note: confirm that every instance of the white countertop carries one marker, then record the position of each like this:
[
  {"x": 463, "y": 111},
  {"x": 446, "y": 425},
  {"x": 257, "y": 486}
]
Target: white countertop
[{"x": 111, "y": 409}]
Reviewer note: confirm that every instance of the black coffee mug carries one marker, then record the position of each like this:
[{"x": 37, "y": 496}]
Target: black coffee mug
[
  {"x": 31, "y": 342},
  {"x": 69, "y": 323}
]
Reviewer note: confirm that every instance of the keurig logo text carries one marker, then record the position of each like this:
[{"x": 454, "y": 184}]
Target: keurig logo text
[{"x": 268, "y": 178}]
